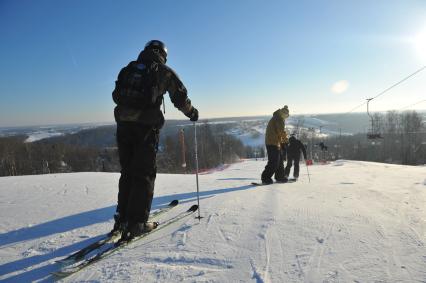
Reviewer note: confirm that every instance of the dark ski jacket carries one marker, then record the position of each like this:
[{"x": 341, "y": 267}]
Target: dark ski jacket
[
  {"x": 293, "y": 148},
  {"x": 129, "y": 106}
]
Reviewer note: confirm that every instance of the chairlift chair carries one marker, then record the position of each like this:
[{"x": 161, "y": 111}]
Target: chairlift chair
[{"x": 372, "y": 133}]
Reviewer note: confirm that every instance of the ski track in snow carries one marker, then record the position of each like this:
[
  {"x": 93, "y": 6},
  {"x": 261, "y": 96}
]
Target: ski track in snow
[{"x": 355, "y": 222}]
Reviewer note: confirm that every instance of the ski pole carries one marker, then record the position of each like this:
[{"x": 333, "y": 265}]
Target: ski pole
[
  {"x": 307, "y": 169},
  {"x": 196, "y": 171}
]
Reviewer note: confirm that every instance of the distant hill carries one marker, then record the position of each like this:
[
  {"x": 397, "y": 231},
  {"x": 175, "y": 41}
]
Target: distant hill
[
  {"x": 103, "y": 136},
  {"x": 250, "y": 130}
]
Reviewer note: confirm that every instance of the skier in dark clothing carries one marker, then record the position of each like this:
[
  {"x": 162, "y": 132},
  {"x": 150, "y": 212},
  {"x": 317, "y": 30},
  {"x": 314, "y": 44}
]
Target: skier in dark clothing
[
  {"x": 292, "y": 151},
  {"x": 139, "y": 94}
]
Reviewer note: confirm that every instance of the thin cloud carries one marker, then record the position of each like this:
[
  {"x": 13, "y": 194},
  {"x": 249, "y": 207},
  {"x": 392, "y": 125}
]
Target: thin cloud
[
  {"x": 71, "y": 53},
  {"x": 340, "y": 87}
]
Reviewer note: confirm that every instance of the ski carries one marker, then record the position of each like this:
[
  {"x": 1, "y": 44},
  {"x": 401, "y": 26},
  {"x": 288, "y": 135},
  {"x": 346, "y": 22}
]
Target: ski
[
  {"x": 110, "y": 248},
  {"x": 261, "y": 184},
  {"x": 79, "y": 255}
]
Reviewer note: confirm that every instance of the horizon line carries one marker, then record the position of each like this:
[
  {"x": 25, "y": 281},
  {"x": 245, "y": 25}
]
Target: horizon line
[{"x": 202, "y": 120}]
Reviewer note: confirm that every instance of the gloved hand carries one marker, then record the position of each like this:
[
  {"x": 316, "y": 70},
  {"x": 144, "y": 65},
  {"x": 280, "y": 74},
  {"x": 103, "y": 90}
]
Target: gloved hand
[{"x": 193, "y": 114}]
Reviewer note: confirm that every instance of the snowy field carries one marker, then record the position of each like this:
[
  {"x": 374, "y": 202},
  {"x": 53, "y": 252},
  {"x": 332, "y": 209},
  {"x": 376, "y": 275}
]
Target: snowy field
[{"x": 353, "y": 222}]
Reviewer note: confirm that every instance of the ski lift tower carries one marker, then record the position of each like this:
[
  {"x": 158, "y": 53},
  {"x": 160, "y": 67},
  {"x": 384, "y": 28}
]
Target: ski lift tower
[{"x": 373, "y": 133}]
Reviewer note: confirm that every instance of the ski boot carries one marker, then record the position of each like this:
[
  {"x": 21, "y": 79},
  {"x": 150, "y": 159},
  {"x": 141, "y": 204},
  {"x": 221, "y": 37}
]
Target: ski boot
[
  {"x": 137, "y": 229},
  {"x": 282, "y": 180},
  {"x": 267, "y": 181},
  {"x": 120, "y": 226}
]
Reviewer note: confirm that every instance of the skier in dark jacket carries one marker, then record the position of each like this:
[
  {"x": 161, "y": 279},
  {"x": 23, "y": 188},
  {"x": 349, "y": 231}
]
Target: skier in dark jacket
[
  {"x": 292, "y": 150},
  {"x": 139, "y": 94}
]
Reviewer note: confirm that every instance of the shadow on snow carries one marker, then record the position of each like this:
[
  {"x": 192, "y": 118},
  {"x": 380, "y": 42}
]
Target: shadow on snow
[{"x": 72, "y": 222}]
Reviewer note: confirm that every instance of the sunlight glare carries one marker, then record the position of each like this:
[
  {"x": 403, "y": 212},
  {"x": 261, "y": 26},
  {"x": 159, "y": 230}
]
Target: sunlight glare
[
  {"x": 420, "y": 44},
  {"x": 340, "y": 87}
]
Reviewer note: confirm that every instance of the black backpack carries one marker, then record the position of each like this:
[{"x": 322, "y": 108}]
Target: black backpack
[{"x": 137, "y": 86}]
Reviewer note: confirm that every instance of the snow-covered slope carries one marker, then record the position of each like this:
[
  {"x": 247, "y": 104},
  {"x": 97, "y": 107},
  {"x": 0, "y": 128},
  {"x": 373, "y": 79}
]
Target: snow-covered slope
[{"x": 353, "y": 222}]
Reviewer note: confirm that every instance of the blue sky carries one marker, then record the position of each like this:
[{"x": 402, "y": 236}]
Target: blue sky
[{"x": 59, "y": 59}]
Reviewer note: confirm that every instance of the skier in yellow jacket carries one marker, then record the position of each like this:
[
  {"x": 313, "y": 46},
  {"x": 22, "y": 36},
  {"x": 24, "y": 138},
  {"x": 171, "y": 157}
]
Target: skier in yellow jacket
[{"x": 275, "y": 139}]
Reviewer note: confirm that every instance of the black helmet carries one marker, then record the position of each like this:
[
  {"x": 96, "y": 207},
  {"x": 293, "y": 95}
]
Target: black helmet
[{"x": 157, "y": 46}]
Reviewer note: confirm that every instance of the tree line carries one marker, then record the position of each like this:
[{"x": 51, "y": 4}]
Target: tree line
[
  {"x": 401, "y": 140},
  {"x": 215, "y": 147},
  {"x": 175, "y": 153},
  {"x": 20, "y": 158}
]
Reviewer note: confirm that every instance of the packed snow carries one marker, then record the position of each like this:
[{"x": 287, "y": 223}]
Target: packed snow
[{"x": 346, "y": 221}]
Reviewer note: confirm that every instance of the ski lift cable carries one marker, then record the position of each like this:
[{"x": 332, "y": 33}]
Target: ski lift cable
[
  {"x": 389, "y": 88},
  {"x": 400, "y": 82},
  {"x": 424, "y": 100},
  {"x": 362, "y": 104}
]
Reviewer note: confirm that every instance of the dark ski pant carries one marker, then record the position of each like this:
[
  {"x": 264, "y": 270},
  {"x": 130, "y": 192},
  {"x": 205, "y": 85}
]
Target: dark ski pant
[
  {"x": 137, "y": 149},
  {"x": 275, "y": 164},
  {"x": 290, "y": 160}
]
